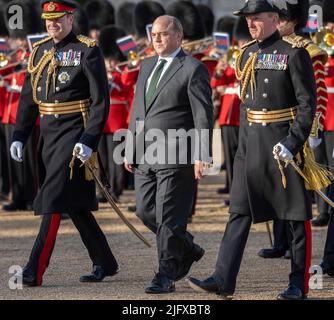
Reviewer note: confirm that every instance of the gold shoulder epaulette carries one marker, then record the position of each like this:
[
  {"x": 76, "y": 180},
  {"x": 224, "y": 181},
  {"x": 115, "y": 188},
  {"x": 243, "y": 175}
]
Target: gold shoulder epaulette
[
  {"x": 248, "y": 44},
  {"x": 87, "y": 41},
  {"x": 315, "y": 51},
  {"x": 297, "y": 41},
  {"x": 38, "y": 43}
]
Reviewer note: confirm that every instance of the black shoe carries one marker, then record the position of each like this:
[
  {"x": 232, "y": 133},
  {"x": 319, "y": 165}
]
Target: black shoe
[
  {"x": 320, "y": 221},
  {"x": 208, "y": 285},
  {"x": 28, "y": 278},
  {"x": 287, "y": 254},
  {"x": 13, "y": 206},
  {"x": 160, "y": 284},
  {"x": 97, "y": 275},
  {"x": 291, "y": 293},
  {"x": 29, "y": 281},
  {"x": 132, "y": 208},
  {"x": 223, "y": 190},
  {"x": 271, "y": 253},
  {"x": 327, "y": 268},
  {"x": 196, "y": 255}
]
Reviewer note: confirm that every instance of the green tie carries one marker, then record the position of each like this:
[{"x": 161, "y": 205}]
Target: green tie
[{"x": 154, "y": 81}]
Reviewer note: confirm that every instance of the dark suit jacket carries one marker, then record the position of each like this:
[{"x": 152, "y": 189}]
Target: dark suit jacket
[{"x": 182, "y": 101}]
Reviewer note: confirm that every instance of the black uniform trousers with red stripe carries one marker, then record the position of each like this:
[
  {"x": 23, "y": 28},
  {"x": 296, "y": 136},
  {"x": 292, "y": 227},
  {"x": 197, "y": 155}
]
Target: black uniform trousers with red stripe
[
  {"x": 233, "y": 244},
  {"x": 91, "y": 235}
]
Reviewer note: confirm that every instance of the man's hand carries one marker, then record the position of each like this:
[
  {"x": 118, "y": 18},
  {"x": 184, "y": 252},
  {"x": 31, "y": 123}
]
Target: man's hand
[
  {"x": 128, "y": 166},
  {"x": 200, "y": 168},
  {"x": 83, "y": 152},
  {"x": 282, "y": 153},
  {"x": 314, "y": 142},
  {"x": 16, "y": 151}
]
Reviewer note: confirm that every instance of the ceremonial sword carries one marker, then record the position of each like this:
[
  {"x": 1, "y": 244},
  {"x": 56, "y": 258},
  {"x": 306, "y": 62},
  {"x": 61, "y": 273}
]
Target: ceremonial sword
[
  {"x": 300, "y": 172},
  {"x": 108, "y": 196}
]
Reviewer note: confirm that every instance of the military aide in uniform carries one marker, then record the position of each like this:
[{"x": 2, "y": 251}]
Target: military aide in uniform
[
  {"x": 278, "y": 91},
  {"x": 67, "y": 86}
]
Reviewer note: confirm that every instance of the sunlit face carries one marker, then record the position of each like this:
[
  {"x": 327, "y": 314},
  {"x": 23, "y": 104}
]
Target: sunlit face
[
  {"x": 59, "y": 28},
  {"x": 21, "y": 43},
  {"x": 165, "y": 39},
  {"x": 262, "y": 25},
  {"x": 110, "y": 64},
  {"x": 94, "y": 34}
]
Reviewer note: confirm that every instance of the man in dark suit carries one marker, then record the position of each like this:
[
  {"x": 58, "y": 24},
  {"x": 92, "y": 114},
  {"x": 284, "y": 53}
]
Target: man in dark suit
[{"x": 173, "y": 93}]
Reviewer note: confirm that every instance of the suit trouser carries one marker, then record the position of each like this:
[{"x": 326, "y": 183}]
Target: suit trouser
[
  {"x": 233, "y": 244},
  {"x": 90, "y": 233},
  {"x": 4, "y": 170},
  {"x": 329, "y": 244},
  {"x": 115, "y": 172},
  {"x": 164, "y": 199},
  {"x": 230, "y": 136},
  {"x": 323, "y": 154},
  {"x": 23, "y": 176}
]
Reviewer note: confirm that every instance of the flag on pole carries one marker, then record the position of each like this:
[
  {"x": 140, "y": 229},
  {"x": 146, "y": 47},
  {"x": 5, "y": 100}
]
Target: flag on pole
[
  {"x": 4, "y": 46},
  {"x": 127, "y": 44},
  {"x": 312, "y": 25},
  {"x": 221, "y": 40},
  {"x": 148, "y": 32}
]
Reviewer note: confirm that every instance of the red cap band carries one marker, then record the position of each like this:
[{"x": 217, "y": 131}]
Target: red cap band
[{"x": 57, "y": 7}]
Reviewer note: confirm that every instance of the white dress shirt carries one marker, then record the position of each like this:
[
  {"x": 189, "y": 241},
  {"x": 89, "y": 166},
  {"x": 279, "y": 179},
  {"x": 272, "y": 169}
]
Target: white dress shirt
[{"x": 169, "y": 60}]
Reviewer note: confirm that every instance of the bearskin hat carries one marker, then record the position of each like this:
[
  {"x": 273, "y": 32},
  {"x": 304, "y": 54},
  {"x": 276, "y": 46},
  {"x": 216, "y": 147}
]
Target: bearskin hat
[
  {"x": 100, "y": 13},
  {"x": 125, "y": 17},
  {"x": 107, "y": 42},
  {"x": 145, "y": 13},
  {"x": 32, "y": 22},
  {"x": 190, "y": 18},
  {"x": 226, "y": 24},
  {"x": 240, "y": 30},
  {"x": 208, "y": 18}
]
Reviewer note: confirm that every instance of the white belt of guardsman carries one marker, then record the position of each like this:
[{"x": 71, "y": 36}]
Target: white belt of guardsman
[{"x": 265, "y": 117}]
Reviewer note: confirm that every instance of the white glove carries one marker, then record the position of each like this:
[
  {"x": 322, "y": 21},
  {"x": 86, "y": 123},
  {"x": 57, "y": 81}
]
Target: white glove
[
  {"x": 16, "y": 151},
  {"x": 283, "y": 153},
  {"x": 84, "y": 151},
  {"x": 314, "y": 142}
]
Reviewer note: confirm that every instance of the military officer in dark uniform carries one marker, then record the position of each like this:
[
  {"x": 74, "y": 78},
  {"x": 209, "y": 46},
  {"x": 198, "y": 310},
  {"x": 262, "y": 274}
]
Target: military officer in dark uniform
[
  {"x": 66, "y": 85},
  {"x": 293, "y": 20},
  {"x": 278, "y": 94}
]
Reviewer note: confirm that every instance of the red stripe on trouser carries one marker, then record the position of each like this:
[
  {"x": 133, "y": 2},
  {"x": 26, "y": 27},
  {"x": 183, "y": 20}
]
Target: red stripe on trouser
[
  {"x": 308, "y": 235},
  {"x": 48, "y": 245}
]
